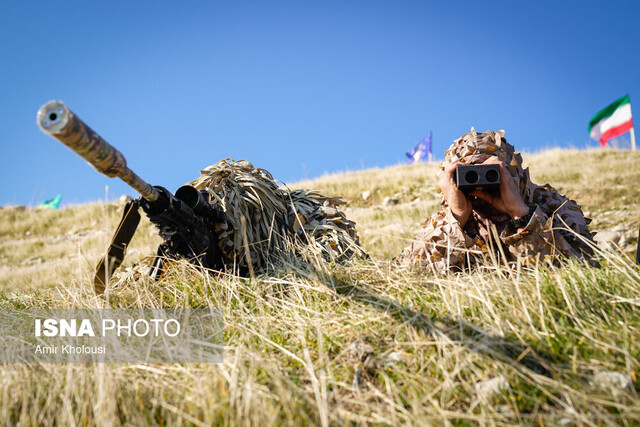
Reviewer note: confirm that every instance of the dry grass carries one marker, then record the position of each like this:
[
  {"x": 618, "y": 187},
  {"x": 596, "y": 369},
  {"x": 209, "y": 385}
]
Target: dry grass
[
  {"x": 313, "y": 343},
  {"x": 41, "y": 248}
]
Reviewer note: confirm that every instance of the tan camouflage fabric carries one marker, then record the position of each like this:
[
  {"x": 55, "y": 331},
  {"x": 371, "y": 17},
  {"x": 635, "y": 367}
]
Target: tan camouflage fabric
[
  {"x": 557, "y": 229},
  {"x": 263, "y": 220}
]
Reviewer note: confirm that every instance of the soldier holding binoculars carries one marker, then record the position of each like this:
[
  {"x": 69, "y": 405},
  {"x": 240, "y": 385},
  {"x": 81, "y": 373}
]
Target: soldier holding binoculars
[{"x": 528, "y": 221}]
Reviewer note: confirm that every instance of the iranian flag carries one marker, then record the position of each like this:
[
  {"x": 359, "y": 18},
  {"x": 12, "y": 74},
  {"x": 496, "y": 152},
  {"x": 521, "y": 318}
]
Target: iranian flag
[{"x": 611, "y": 121}]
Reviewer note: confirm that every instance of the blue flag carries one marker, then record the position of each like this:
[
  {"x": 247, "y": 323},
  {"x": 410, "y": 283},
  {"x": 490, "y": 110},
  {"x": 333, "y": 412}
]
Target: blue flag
[{"x": 420, "y": 151}]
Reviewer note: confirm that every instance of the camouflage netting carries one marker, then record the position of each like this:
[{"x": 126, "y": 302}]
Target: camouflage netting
[
  {"x": 558, "y": 226},
  {"x": 476, "y": 147},
  {"x": 273, "y": 219}
]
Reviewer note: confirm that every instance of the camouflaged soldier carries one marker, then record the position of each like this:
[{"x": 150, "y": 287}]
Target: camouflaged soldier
[
  {"x": 245, "y": 223},
  {"x": 271, "y": 220},
  {"x": 531, "y": 221}
]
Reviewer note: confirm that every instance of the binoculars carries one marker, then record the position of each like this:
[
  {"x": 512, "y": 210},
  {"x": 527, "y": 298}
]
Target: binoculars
[{"x": 477, "y": 177}]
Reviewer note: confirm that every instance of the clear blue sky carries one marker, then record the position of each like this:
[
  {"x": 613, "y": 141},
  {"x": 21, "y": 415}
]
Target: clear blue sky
[{"x": 299, "y": 88}]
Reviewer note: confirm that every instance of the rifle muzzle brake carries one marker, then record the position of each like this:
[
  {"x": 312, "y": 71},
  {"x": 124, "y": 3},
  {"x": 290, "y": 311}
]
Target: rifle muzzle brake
[{"x": 58, "y": 121}]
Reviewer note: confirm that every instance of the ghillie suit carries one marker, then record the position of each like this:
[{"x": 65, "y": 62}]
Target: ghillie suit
[
  {"x": 233, "y": 218},
  {"x": 262, "y": 220},
  {"x": 557, "y": 229}
]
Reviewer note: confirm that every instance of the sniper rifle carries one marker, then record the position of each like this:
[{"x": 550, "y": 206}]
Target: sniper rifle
[{"x": 185, "y": 220}]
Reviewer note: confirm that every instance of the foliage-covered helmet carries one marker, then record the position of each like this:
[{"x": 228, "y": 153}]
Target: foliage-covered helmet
[{"x": 474, "y": 147}]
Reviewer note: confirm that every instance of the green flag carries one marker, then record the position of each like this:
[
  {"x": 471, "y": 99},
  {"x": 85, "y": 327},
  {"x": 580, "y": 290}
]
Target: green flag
[{"x": 51, "y": 204}]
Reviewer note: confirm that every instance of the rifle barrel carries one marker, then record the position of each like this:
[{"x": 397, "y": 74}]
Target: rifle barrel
[{"x": 56, "y": 119}]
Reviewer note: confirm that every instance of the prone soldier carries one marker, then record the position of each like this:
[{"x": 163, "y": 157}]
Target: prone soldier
[
  {"x": 233, "y": 217},
  {"x": 532, "y": 221}
]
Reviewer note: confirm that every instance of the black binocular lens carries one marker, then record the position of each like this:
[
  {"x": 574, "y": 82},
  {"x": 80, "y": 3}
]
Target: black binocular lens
[
  {"x": 492, "y": 175},
  {"x": 471, "y": 177}
]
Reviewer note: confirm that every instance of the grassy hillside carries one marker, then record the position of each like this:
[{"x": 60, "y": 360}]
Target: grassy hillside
[{"x": 313, "y": 343}]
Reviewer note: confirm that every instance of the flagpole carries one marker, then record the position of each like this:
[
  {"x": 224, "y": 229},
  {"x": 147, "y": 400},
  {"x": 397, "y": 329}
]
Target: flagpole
[{"x": 633, "y": 134}]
